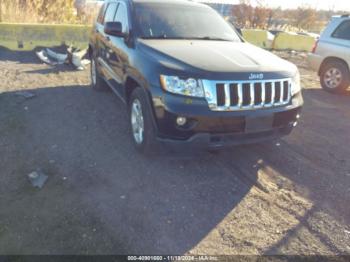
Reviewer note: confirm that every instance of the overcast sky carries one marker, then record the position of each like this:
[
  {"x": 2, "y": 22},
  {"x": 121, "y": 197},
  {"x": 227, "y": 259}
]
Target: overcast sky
[
  {"x": 338, "y": 5},
  {"x": 319, "y": 4}
]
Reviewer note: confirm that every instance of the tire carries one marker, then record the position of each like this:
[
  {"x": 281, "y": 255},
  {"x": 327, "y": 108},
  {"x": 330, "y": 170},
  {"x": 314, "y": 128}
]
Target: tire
[
  {"x": 335, "y": 77},
  {"x": 97, "y": 82},
  {"x": 145, "y": 139}
]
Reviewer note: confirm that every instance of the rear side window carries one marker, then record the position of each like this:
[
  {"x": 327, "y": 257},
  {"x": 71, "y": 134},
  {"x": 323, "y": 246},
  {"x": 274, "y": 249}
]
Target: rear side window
[
  {"x": 110, "y": 12},
  {"x": 101, "y": 14},
  {"x": 343, "y": 31}
]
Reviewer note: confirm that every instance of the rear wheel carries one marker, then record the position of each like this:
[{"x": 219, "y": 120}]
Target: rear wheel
[
  {"x": 97, "y": 82},
  {"x": 335, "y": 77},
  {"x": 143, "y": 133}
]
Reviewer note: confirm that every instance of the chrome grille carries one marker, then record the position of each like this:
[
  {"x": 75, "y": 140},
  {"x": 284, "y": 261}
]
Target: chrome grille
[{"x": 247, "y": 95}]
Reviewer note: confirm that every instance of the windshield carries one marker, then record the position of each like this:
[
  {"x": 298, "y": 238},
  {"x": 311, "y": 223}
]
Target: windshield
[{"x": 179, "y": 21}]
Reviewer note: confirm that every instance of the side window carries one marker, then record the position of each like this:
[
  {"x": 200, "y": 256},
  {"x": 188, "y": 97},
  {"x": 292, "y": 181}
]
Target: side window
[
  {"x": 101, "y": 14},
  {"x": 110, "y": 12},
  {"x": 122, "y": 16},
  {"x": 343, "y": 31}
]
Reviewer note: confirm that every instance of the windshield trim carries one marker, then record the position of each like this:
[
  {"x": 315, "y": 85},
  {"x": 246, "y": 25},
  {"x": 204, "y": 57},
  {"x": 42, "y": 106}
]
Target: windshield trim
[{"x": 185, "y": 38}]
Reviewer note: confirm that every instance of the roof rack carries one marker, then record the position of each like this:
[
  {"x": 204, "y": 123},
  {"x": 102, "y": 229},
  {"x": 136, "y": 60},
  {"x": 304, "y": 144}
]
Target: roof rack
[{"x": 346, "y": 15}]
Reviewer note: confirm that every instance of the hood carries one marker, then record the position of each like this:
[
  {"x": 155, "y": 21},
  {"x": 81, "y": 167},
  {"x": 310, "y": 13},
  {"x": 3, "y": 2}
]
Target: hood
[{"x": 215, "y": 56}]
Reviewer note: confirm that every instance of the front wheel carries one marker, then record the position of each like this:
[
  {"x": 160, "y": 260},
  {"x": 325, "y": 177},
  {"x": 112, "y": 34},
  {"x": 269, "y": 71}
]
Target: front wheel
[
  {"x": 335, "y": 77},
  {"x": 143, "y": 133}
]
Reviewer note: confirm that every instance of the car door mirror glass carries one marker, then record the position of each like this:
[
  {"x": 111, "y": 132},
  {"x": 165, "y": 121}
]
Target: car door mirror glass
[{"x": 114, "y": 29}]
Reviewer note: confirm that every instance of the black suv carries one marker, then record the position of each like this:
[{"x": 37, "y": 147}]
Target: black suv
[{"x": 187, "y": 77}]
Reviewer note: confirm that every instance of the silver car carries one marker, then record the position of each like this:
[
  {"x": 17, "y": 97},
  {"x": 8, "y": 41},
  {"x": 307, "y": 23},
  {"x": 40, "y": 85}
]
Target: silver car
[{"x": 330, "y": 56}]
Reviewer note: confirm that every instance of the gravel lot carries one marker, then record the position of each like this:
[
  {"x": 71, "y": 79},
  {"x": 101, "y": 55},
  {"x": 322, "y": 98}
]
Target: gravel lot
[{"x": 285, "y": 197}]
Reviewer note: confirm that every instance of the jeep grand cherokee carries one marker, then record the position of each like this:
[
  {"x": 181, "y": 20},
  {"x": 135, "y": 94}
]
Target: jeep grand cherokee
[{"x": 187, "y": 77}]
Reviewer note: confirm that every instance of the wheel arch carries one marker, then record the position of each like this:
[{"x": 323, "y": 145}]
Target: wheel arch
[
  {"x": 130, "y": 84},
  {"x": 332, "y": 59}
]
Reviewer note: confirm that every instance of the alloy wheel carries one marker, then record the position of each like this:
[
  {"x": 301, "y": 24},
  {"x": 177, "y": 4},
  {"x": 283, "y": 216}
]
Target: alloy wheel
[
  {"x": 333, "y": 78},
  {"x": 137, "y": 121},
  {"x": 93, "y": 72}
]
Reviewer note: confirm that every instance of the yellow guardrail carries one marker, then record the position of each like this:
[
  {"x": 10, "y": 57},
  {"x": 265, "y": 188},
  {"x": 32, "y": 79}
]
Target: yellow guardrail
[
  {"x": 285, "y": 41},
  {"x": 258, "y": 37},
  {"x": 29, "y": 36}
]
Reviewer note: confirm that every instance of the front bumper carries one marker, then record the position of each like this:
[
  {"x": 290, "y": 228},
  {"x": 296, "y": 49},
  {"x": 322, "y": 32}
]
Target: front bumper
[
  {"x": 216, "y": 141},
  {"x": 210, "y": 129}
]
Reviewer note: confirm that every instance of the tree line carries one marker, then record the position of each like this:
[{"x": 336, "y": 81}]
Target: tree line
[
  {"x": 245, "y": 15},
  {"x": 261, "y": 16},
  {"x": 42, "y": 11}
]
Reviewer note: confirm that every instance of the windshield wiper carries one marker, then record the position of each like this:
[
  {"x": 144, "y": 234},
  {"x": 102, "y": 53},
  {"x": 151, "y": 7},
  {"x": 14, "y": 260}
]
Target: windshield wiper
[
  {"x": 210, "y": 38},
  {"x": 161, "y": 37},
  {"x": 185, "y": 38}
]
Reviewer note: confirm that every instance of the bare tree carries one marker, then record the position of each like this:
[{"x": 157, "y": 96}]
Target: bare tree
[
  {"x": 243, "y": 13},
  {"x": 0, "y": 11},
  {"x": 304, "y": 17},
  {"x": 260, "y": 17},
  {"x": 248, "y": 16}
]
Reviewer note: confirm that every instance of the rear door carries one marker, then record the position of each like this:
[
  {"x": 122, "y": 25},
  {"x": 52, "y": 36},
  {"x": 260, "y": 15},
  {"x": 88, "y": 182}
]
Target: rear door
[{"x": 341, "y": 37}]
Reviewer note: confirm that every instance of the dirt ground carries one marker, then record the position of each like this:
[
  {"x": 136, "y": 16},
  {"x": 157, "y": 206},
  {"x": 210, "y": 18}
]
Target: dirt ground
[{"x": 284, "y": 197}]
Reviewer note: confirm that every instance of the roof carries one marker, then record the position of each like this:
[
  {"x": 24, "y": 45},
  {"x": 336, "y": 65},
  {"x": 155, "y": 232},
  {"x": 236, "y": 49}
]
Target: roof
[
  {"x": 188, "y": 2},
  {"x": 340, "y": 16},
  {"x": 225, "y": 2},
  {"x": 181, "y": 2},
  {"x": 164, "y": 2}
]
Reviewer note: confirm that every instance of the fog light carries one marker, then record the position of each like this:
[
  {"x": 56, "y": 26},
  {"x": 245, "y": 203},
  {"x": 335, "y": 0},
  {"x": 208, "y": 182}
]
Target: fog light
[
  {"x": 295, "y": 124},
  {"x": 181, "y": 121},
  {"x": 298, "y": 116}
]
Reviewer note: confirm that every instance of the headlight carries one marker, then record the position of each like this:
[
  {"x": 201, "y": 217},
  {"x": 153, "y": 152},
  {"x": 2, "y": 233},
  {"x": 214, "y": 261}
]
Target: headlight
[
  {"x": 296, "y": 86},
  {"x": 186, "y": 87}
]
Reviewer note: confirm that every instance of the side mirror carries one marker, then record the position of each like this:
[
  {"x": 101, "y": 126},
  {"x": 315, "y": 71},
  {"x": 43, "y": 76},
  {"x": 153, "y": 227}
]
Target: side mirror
[
  {"x": 114, "y": 29},
  {"x": 239, "y": 30}
]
